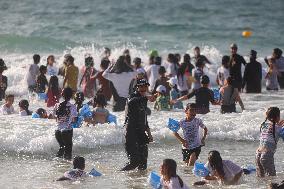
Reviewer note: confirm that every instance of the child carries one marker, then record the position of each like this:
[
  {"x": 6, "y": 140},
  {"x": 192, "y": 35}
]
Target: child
[
  {"x": 162, "y": 102},
  {"x": 77, "y": 171},
  {"x": 269, "y": 136},
  {"x": 51, "y": 69},
  {"x": 79, "y": 99},
  {"x": 182, "y": 81},
  {"x": 271, "y": 77},
  {"x": 174, "y": 93},
  {"x": 42, "y": 113},
  {"x": 3, "y": 79},
  {"x": 66, "y": 114},
  {"x": 169, "y": 178},
  {"x": 100, "y": 114},
  {"x": 162, "y": 80},
  {"x": 24, "y": 108},
  {"x": 197, "y": 73},
  {"x": 8, "y": 108},
  {"x": 88, "y": 82},
  {"x": 53, "y": 91},
  {"x": 32, "y": 74},
  {"x": 223, "y": 170},
  {"x": 140, "y": 75},
  {"x": 223, "y": 72},
  {"x": 41, "y": 80},
  {"x": 191, "y": 142}
]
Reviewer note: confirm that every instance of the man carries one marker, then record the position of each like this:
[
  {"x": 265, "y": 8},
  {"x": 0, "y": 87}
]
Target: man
[
  {"x": 203, "y": 96},
  {"x": 200, "y": 58},
  {"x": 138, "y": 133},
  {"x": 252, "y": 75},
  {"x": 235, "y": 66},
  {"x": 71, "y": 74}
]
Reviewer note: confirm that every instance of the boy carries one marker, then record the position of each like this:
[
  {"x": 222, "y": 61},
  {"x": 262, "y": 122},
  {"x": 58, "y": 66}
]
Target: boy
[
  {"x": 197, "y": 73},
  {"x": 3, "y": 79},
  {"x": 223, "y": 72},
  {"x": 71, "y": 74},
  {"x": 8, "y": 108},
  {"x": 77, "y": 171},
  {"x": 41, "y": 80},
  {"x": 191, "y": 142},
  {"x": 32, "y": 74},
  {"x": 163, "y": 80}
]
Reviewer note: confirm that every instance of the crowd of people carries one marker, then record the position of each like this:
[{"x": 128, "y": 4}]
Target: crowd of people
[{"x": 131, "y": 85}]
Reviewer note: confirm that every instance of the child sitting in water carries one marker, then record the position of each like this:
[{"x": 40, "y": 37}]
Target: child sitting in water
[
  {"x": 169, "y": 178},
  {"x": 41, "y": 80},
  {"x": 100, "y": 114},
  {"x": 24, "y": 108},
  {"x": 53, "y": 92},
  {"x": 8, "y": 108},
  {"x": 174, "y": 93},
  {"x": 191, "y": 142},
  {"x": 222, "y": 170},
  {"x": 269, "y": 136},
  {"x": 77, "y": 171},
  {"x": 162, "y": 102},
  {"x": 42, "y": 113}
]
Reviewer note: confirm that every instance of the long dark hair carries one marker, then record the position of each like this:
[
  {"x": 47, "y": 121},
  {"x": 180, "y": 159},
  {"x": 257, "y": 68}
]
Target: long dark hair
[
  {"x": 180, "y": 73},
  {"x": 169, "y": 170},
  {"x": 216, "y": 162},
  {"x": 120, "y": 66},
  {"x": 79, "y": 99},
  {"x": 272, "y": 114},
  {"x": 25, "y": 105},
  {"x": 100, "y": 100},
  {"x": 53, "y": 85},
  {"x": 62, "y": 109}
]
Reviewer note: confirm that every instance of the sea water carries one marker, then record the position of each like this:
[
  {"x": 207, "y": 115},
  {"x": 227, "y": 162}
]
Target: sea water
[{"x": 28, "y": 146}]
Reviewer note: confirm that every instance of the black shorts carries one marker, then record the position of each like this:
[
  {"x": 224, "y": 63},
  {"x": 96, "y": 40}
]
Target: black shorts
[{"x": 186, "y": 153}]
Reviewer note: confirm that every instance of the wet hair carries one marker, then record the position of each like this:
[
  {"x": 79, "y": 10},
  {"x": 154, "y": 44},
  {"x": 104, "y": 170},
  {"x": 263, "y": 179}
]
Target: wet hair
[
  {"x": 53, "y": 85},
  {"x": 41, "y": 112},
  {"x": 78, "y": 162},
  {"x": 100, "y": 100},
  {"x": 9, "y": 96},
  {"x": 49, "y": 57},
  {"x": 225, "y": 60},
  {"x": 62, "y": 109},
  {"x": 180, "y": 74},
  {"x": 162, "y": 70},
  {"x": 79, "y": 99},
  {"x": 186, "y": 58},
  {"x": 169, "y": 170},
  {"x": 216, "y": 162},
  {"x": 104, "y": 63},
  {"x": 190, "y": 105},
  {"x": 42, "y": 69},
  {"x": 120, "y": 66},
  {"x": 158, "y": 60},
  {"x": 25, "y": 105},
  {"x": 272, "y": 114},
  {"x": 36, "y": 58}
]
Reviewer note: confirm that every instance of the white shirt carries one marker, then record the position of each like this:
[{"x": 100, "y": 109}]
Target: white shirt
[
  {"x": 32, "y": 74},
  {"x": 23, "y": 113},
  {"x": 7, "y": 111},
  {"x": 196, "y": 74},
  {"x": 171, "y": 69},
  {"x": 182, "y": 83},
  {"x": 152, "y": 72},
  {"x": 222, "y": 74},
  {"x": 64, "y": 122},
  {"x": 173, "y": 184},
  {"x": 52, "y": 70},
  {"x": 120, "y": 81}
]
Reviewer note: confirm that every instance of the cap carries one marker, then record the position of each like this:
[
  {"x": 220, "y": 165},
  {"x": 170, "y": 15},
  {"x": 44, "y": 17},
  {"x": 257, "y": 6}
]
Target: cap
[
  {"x": 2, "y": 64},
  {"x": 142, "y": 82},
  {"x": 137, "y": 60},
  {"x": 173, "y": 81},
  {"x": 140, "y": 71},
  {"x": 161, "y": 89},
  {"x": 253, "y": 53},
  {"x": 205, "y": 80},
  {"x": 234, "y": 45}
]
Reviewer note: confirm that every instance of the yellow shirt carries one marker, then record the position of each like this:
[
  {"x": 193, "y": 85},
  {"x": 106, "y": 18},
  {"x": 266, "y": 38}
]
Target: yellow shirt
[{"x": 71, "y": 76}]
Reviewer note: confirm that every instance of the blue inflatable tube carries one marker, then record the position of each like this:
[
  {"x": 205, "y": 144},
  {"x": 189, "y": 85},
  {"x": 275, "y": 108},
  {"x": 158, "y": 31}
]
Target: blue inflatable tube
[
  {"x": 95, "y": 173},
  {"x": 200, "y": 170},
  {"x": 35, "y": 115},
  {"x": 85, "y": 111},
  {"x": 173, "y": 125},
  {"x": 78, "y": 123},
  {"x": 155, "y": 180},
  {"x": 217, "y": 95},
  {"x": 42, "y": 96},
  {"x": 249, "y": 169},
  {"x": 112, "y": 119},
  {"x": 282, "y": 134}
]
